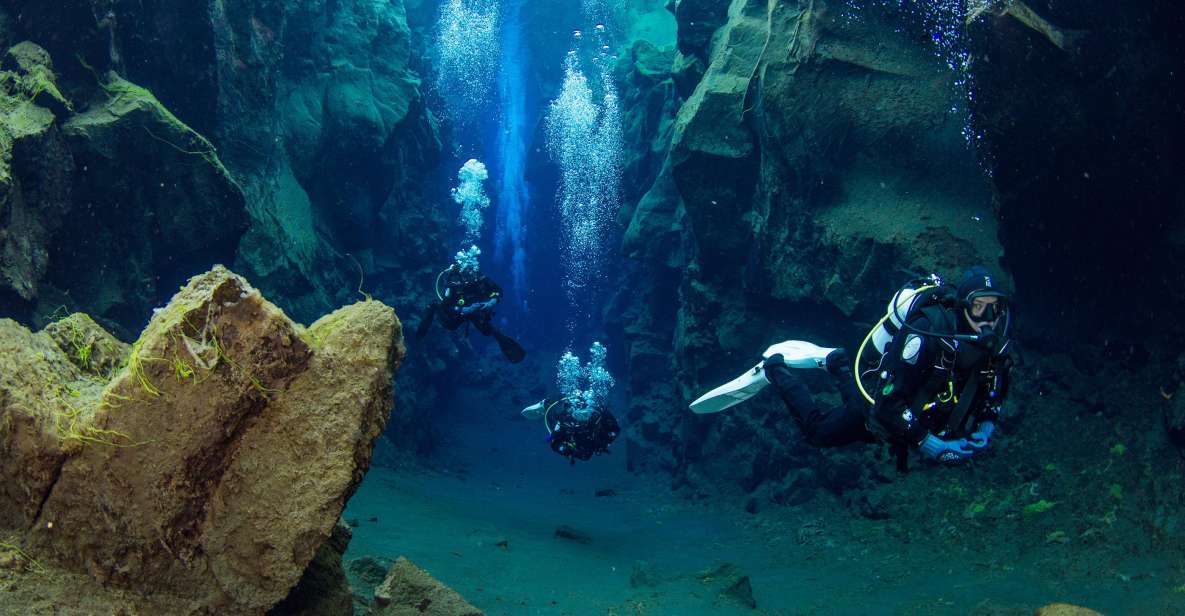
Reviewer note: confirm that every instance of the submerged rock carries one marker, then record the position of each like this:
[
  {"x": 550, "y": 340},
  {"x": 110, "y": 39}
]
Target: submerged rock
[
  {"x": 35, "y": 168},
  {"x": 572, "y": 534},
  {"x": 1065, "y": 609},
  {"x": 159, "y": 202},
  {"x": 123, "y": 186},
  {"x": 209, "y": 470},
  {"x": 732, "y": 584},
  {"x": 411, "y": 591},
  {"x": 323, "y": 590},
  {"x": 371, "y": 571}
]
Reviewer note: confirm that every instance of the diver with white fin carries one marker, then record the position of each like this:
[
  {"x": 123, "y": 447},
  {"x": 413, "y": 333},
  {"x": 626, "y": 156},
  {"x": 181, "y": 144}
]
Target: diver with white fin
[
  {"x": 465, "y": 296},
  {"x": 941, "y": 374},
  {"x": 579, "y": 423}
]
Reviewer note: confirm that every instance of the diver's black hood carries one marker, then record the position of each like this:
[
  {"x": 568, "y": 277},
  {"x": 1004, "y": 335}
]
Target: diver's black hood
[{"x": 978, "y": 282}]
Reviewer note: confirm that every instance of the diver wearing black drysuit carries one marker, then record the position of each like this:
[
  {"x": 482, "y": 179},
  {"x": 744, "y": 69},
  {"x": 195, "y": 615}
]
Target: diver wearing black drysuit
[
  {"x": 942, "y": 380},
  {"x": 469, "y": 298},
  {"x": 574, "y": 434}
]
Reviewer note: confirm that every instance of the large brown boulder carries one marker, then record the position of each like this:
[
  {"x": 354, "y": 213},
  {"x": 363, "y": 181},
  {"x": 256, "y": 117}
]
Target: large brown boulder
[{"x": 214, "y": 464}]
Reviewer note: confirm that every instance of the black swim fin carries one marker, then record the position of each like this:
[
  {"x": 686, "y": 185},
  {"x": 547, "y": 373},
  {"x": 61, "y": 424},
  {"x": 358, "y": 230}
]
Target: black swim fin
[
  {"x": 426, "y": 322},
  {"x": 511, "y": 349}
]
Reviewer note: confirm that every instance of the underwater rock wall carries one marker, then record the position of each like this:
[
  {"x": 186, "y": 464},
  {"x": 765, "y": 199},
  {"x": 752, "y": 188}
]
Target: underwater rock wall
[
  {"x": 290, "y": 138},
  {"x": 814, "y": 161},
  {"x": 106, "y": 194},
  {"x": 1083, "y": 142},
  {"x": 179, "y": 468},
  {"x": 314, "y": 109}
]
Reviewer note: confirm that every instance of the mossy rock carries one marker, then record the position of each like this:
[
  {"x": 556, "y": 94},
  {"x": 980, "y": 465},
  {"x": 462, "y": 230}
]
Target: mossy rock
[
  {"x": 35, "y": 168},
  {"x": 126, "y": 102},
  {"x": 33, "y": 73},
  {"x": 192, "y": 456},
  {"x": 88, "y": 345},
  {"x": 29, "y": 100},
  {"x": 46, "y": 405}
]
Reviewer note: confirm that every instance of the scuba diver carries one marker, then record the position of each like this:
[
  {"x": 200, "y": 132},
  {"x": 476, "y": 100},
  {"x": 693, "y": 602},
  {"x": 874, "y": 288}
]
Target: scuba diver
[
  {"x": 579, "y": 424},
  {"x": 466, "y": 297},
  {"x": 941, "y": 377}
]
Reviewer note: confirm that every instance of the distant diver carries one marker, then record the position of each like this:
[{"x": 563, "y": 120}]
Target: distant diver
[
  {"x": 941, "y": 376},
  {"x": 579, "y": 424},
  {"x": 465, "y": 296}
]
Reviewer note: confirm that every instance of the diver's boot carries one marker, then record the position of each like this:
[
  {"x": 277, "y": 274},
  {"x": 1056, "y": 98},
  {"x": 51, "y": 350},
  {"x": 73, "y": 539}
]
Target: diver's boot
[
  {"x": 790, "y": 388},
  {"x": 837, "y": 363}
]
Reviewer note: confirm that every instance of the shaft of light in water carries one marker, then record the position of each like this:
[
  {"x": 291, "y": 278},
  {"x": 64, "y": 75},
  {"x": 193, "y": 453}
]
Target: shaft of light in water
[{"x": 513, "y": 196}]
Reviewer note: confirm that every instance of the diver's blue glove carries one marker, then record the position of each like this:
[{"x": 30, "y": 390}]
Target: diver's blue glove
[
  {"x": 471, "y": 308},
  {"x": 935, "y": 448},
  {"x": 979, "y": 439}
]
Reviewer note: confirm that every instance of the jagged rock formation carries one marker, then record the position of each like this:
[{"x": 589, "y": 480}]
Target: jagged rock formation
[
  {"x": 205, "y": 473},
  {"x": 30, "y": 146}
]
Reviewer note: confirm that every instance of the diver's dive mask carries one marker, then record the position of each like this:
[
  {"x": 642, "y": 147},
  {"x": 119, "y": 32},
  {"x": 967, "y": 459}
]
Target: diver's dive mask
[
  {"x": 991, "y": 319},
  {"x": 985, "y": 312}
]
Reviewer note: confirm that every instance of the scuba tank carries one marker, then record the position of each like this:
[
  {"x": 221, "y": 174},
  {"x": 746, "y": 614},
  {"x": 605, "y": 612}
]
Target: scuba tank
[
  {"x": 913, "y": 296},
  {"x": 898, "y": 310}
]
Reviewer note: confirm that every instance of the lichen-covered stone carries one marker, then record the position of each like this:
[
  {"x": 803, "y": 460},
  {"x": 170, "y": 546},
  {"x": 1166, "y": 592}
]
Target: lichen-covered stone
[
  {"x": 35, "y": 76},
  {"x": 87, "y": 345},
  {"x": 45, "y": 404},
  {"x": 211, "y": 468}
]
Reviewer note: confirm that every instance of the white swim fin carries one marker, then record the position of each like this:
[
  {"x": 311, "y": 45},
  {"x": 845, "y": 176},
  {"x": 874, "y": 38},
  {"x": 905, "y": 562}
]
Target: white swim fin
[
  {"x": 535, "y": 411},
  {"x": 797, "y": 354},
  {"x": 800, "y": 354}
]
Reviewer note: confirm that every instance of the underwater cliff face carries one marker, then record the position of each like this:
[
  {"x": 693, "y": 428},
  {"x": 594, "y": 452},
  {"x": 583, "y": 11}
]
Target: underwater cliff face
[
  {"x": 312, "y": 109},
  {"x": 1081, "y": 148},
  {"x": 784, "y": 166},
  {"x": 815, "y": 160}
]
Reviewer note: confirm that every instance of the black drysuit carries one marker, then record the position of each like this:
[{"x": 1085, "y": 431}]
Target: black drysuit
[{"x": 924, "y": 379}]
